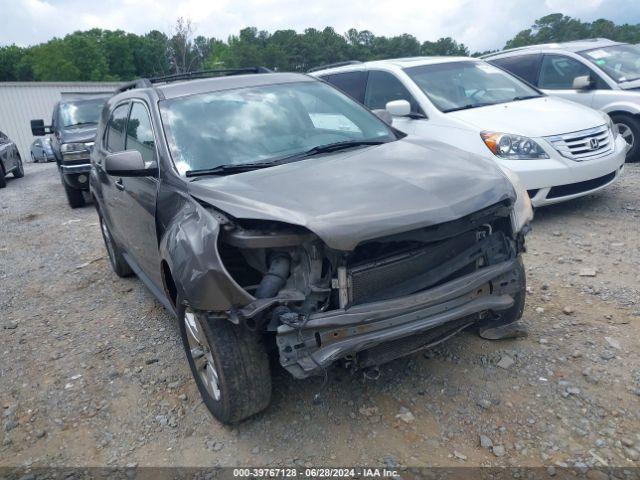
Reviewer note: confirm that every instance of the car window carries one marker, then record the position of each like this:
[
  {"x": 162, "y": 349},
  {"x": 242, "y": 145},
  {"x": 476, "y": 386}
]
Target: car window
[
  {"x": 262, "y": 124},
  {"x": 620, "y": 62},
  {"x": 558, "y": 72},
  {"x": 460, "y": 85},
  {"x": 3, "y": 138},
  {"x": 115, "y": 128},
  {"x": 383, "y": 87},
  {"x": 80, "y": 113},
  {"x": 523, "y": 66},
  {"x": 351, "y": 83},
  {"x": 140, "y": 133}
]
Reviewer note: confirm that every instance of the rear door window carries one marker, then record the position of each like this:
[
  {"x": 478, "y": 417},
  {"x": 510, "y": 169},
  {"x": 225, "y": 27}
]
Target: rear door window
[
  {"x": 351, "y": 83},
  {"x": 525, "y": 67},
  {"x": 115, "y": 135}
]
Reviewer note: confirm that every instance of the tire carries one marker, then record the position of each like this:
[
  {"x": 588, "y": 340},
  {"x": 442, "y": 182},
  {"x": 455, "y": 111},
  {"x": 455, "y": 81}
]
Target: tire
[
  {"x": 116, "y": 259},
  {"x": 19, "y": 172},
  {"x": 515, "y": 311},
  {"x": 34, "y": 159},
  {"x": 239, "y": 385},
  {"x": 629, "y": 128},
  {"x": 3, "y": 181},
  {"x": 74, "y": 196}
]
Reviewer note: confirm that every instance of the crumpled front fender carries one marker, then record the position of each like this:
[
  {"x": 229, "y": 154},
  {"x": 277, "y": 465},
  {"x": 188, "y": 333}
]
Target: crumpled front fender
[{"x": 190, "y": 248}]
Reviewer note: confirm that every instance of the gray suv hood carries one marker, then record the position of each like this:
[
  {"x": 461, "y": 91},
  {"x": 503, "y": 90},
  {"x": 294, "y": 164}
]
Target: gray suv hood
[
  {"x": 365, "y": 193},
  {"x": 78, "y": 134}
]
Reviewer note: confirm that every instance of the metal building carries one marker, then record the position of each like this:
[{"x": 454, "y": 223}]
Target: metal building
[{"x": 21, "y": 102}]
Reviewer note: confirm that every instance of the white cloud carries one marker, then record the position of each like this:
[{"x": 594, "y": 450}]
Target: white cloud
[{"x": 480, "y": 24}]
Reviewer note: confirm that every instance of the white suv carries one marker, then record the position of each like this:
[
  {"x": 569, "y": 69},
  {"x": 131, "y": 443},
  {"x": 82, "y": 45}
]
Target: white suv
[
  {"x": 597, "y": 73},
  {"x": 559, "y": 149}
]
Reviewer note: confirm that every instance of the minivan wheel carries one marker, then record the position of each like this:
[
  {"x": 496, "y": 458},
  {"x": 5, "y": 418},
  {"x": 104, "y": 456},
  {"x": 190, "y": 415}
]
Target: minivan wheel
[
  {"x": 33, "y": 158},
  {"x": 116, "y": 259},
  {"x": 229, "y": 364},
  {"x": 629, "y": 128}
]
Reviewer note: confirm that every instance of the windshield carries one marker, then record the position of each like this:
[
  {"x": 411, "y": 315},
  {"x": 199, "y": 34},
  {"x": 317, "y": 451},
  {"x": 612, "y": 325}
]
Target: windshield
[
  {"x": 459, "y": 85},
  {"x": 261, "y": 124},
  {"x": 78, "y": 113},
  {"x": 620, "y": 62}
]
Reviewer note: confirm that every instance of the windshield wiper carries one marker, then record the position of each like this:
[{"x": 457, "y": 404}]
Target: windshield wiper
[
  {"x": 81, "y": 123},
  {"x": 524, "y": 97},
  {"x": 467, "y": 107},
  {"x": 333, "y": 147},
  {"x": 230, "y": 169}
]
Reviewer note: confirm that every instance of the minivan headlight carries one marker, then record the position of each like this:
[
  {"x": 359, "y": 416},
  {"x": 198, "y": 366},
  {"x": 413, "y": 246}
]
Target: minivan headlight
[
  {"x": 522, "y": 212},
  {"x": 512, "y": 147}
]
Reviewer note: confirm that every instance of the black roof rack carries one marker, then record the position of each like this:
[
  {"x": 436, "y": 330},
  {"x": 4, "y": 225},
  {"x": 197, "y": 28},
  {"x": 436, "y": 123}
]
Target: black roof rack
[
  {"x": 148, "y": 82},
  {"x": 334, "y": 65}
]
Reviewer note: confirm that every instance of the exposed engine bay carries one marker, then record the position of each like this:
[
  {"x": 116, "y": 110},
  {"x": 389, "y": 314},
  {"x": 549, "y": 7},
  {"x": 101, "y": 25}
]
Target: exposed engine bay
[{"x": 323, "y": 304}]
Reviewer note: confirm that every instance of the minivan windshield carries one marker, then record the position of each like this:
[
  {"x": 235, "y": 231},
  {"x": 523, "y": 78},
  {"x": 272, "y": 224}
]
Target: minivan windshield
[
  {"x": 251, "y": 125},
  {"x": 461, "y": 85},
  {"x": 620, "y": 62}
]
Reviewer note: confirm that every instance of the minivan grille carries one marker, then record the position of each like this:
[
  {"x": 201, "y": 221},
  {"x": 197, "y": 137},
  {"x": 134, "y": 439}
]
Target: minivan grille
[{"x": 585, "y": 144}]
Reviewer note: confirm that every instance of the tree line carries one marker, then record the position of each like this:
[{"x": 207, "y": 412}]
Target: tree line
[{"x": 113, "y": 55}]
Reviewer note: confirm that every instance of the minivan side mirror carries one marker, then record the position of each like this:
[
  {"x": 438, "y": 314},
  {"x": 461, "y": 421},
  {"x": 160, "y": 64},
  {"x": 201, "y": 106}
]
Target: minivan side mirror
[
  {"x": 383, "y": 115},
  {"x": 127, "y": 164},
  {"x": 582, "y": 83},
  {"x": 38, "y": 129},
  {"x": 398, "y": 108}
]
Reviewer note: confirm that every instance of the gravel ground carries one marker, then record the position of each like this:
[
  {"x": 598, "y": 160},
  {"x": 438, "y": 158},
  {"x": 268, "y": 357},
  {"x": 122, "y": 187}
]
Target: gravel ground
[{"x": 92, "y": 372}]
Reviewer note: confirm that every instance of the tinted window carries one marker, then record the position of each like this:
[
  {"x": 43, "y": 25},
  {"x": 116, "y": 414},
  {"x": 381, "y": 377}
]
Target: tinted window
[
  {"x": 261, "y": 124},
  {"x": 524, "y": 66},
  {"x": 140, "y": 133},
  {"x": 351, "y": 83},
  {"x": 383, "y": 87},
  {"x": 558, "y": 72},
  {"x": 115, "y": 128}
]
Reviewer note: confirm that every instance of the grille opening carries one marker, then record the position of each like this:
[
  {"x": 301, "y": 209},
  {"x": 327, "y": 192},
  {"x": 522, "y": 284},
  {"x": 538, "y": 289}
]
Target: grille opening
[{"x": 574, "y": 188}]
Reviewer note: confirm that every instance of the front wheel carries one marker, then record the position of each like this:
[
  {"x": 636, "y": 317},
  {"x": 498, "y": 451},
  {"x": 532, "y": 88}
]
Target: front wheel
[
  {"x": 229, "y": 363},
  {"x": 19, "y": 170},
  {"x": 74, "y": 196},
  {"x": 629, "y": 129},
  {"x": 33, "y": 158}
]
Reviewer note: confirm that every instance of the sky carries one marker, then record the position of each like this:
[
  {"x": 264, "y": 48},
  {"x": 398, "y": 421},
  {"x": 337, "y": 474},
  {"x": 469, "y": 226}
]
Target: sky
[{"x": 479, "y": 24}]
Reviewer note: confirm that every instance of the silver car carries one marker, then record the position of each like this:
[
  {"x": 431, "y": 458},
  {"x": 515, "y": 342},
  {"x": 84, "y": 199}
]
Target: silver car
[
  {"x": 597, "y": 72},
  {"x": 41, "y": 150}
]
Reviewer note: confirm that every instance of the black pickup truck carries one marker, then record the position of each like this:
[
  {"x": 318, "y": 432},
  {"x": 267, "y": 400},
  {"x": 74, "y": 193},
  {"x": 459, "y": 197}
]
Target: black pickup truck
[{"x": 73, "y": 129}]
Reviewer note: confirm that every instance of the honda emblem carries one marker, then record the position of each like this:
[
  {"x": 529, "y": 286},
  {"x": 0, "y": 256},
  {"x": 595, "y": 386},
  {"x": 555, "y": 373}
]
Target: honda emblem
[{"x": 593, "y": 143}]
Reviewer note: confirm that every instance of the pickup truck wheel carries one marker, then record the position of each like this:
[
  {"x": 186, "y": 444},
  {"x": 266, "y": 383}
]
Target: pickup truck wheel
[
  {"x": 74, "y": 197},
  {"x": 19, "y": 171},
  {"x": 116, "y": 259},
  {"x": 229, "y": 364},
  {"x": 629, "y": 128}
]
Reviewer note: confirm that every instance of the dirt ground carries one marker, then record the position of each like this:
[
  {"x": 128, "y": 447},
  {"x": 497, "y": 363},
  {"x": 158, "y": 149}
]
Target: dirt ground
[{"x": 92, "y": 372}]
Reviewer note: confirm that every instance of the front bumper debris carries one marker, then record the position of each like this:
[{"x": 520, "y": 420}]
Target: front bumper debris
[{"x": 314, "y": 342}]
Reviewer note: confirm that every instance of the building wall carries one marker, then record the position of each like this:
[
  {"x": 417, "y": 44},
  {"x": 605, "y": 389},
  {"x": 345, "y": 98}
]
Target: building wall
[{"x": 21, "y": 102}]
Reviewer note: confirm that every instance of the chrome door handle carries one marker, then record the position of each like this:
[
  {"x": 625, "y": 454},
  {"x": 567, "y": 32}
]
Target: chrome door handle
[{"x": 119, "y": 184}]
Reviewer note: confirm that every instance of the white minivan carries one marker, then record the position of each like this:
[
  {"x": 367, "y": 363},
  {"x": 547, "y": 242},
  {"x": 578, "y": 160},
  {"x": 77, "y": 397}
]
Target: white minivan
[{"x": 560, "y": 150}]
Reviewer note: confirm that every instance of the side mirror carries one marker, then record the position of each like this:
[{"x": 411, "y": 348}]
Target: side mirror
[
  {"x": 127, "y": 164},
  {"x": 38, "y": 129},
  {"x": 582, "y": 83},
  {"x": 398, "y": 108},
  {"x": 383, "y": 115}
]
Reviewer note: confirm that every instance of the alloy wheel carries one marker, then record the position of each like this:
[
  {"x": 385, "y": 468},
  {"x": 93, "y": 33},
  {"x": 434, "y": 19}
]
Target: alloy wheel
[
  {"x": 201, "y": 353},
  {"x": 626, "y": 133}
]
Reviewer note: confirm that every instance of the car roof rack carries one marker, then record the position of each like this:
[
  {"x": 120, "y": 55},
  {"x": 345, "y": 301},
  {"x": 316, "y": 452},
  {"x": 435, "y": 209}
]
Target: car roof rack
[
  {"x": 334, "y": 65},
  {"x": 218, "y": 72}
]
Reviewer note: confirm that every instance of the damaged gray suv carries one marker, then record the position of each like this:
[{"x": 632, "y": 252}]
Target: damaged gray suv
[{"x": 274, "y": 215}]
